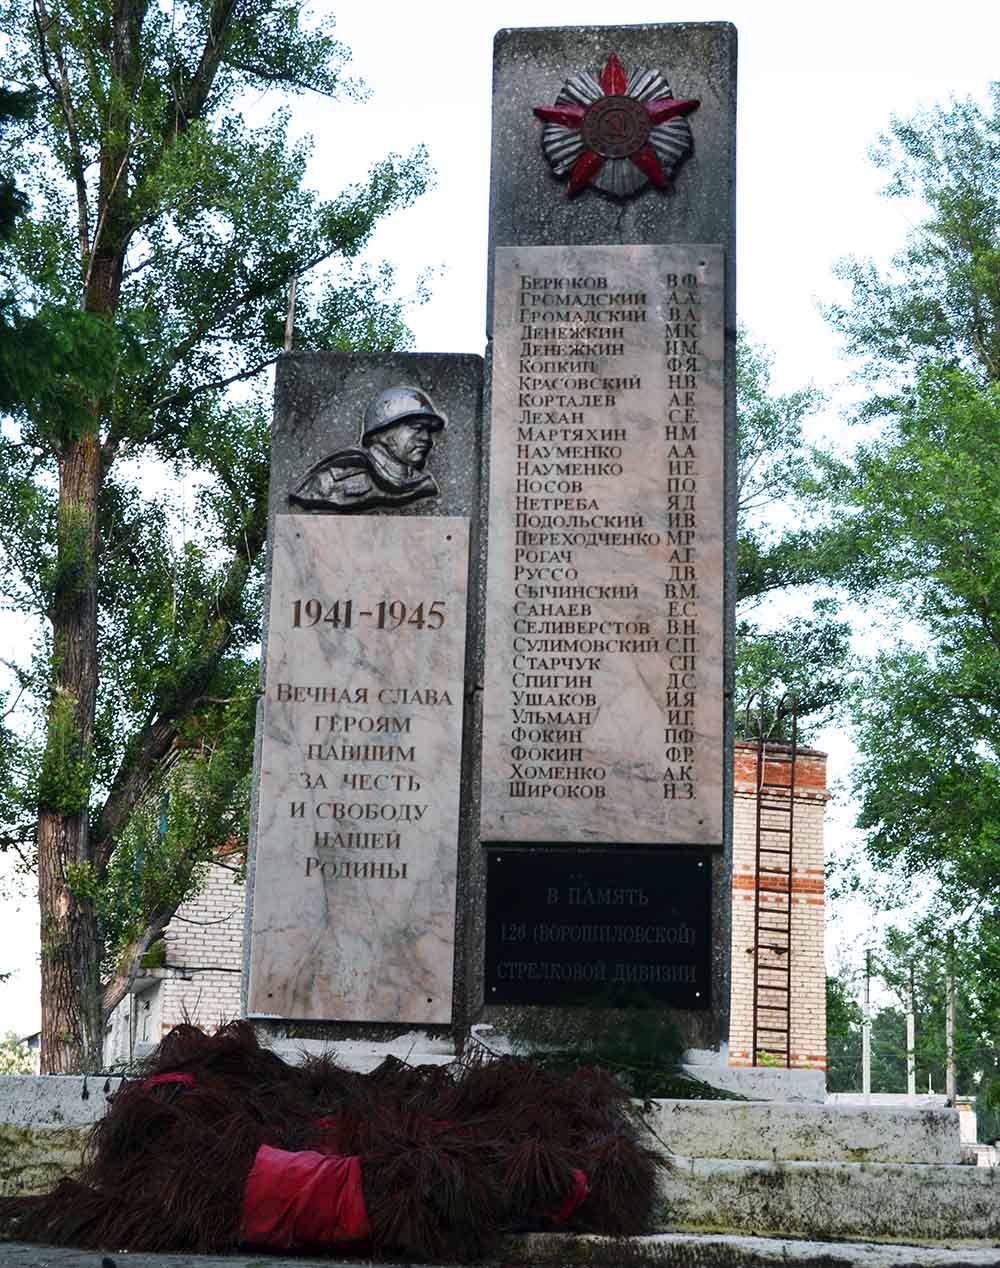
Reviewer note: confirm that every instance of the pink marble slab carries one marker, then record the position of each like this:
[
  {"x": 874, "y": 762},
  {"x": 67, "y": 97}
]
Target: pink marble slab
[
  {"x": 603, "y": 700},
  {"x": 353, "y": 913}
]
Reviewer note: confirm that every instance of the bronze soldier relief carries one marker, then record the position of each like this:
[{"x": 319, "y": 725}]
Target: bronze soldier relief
[{"x": 387, "y": 466}]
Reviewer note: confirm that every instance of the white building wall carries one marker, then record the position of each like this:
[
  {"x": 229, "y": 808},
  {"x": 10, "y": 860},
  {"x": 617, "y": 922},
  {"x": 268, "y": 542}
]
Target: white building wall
[
  {"x": 201, "y": 980},
  {"x": 205, "y": 940}
]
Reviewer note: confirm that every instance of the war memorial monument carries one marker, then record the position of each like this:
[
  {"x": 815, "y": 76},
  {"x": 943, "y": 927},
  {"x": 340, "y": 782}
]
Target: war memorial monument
[{"x": 494, "y": 742}]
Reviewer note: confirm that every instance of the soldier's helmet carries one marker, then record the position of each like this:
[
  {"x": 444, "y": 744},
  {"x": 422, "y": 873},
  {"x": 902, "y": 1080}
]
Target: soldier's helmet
[{"x": 397, "y": 404}]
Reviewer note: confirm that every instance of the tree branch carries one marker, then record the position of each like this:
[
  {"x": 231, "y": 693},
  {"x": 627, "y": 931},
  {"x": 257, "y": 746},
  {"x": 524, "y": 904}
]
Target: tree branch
[
  {"x": 196, "y": 97},
  {"x": 107, "y": 203},
  {"x": 22, "y": 675},
  {"x": 191, "y": 340},
  {"x": 113, "y": 444},
  {"x": 186, "y": 920},
  {"x": 137, "y": 268},
  {"x": 17, "y": 701},
  {"x": 117, "y": 987},
  {"x": 43, "y": 23},
  {"x": 17, "y": 844},
  {"x": 146, "y": 752},
  {"x": 186, "y": 394},
  {"x": 988, "y": 620},
  {"x": 276, "y": 77},
  {"x": 227, "y": 866}
]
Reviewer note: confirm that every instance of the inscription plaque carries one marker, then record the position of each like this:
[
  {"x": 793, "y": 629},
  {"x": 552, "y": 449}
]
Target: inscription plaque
[
  {"x": 600, "y": 928},
  {"x": 358, "y": 802},
  {"x": 603, "y": 699}
]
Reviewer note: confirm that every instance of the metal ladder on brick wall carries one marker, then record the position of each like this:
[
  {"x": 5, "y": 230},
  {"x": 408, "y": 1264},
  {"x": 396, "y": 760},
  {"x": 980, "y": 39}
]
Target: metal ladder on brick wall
[{"x": 772, "y": 932}]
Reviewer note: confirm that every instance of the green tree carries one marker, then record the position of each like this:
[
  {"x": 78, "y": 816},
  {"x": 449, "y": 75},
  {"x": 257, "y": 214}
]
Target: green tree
[
  {"x": 808, "y": 656},
  {"x": 976, "y": 1051},
  {"x": 15, "y": 107},
  {"x": 14, "y": 1059},
  {"x": 931, "y": 959},
  {"x": 918, "y": 507},
  {"x": 163, "y": 236},
  {"x": 843, "y": 1034}
]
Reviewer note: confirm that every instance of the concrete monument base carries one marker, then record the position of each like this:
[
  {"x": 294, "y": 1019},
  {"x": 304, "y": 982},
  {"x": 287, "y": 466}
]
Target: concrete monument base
[{"x": 415, "y": 1048}]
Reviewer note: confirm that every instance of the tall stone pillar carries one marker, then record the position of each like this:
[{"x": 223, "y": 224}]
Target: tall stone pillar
[
  {"x": 606, "y": 792},
  {"x": 360, "y": 844}
]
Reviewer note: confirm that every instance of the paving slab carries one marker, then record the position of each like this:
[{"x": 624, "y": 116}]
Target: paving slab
[
  {"x": 547, "y": 1250},
  {"x": 679, "y": 1250}
]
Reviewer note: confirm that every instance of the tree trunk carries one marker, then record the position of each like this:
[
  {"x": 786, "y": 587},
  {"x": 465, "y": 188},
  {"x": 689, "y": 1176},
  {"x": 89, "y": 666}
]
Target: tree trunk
[{"x": 72, "y": 1024}]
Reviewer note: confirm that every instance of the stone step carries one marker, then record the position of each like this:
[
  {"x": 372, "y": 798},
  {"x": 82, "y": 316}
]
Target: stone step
[
  {"x": 842, "y": 1200},
  {"x": 800, "y": 1131},
  {"x": 761, "y": 1083}
]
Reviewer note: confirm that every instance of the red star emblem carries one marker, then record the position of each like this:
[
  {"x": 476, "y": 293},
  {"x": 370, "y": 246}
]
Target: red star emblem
[{"x": 618, "y": 125}]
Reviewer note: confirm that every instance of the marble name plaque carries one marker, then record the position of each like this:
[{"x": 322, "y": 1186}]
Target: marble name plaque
[
  {"x": 603, "y": 700},
  {"x": 599, "y": 928},
  {"x": 358, "y": 797}
]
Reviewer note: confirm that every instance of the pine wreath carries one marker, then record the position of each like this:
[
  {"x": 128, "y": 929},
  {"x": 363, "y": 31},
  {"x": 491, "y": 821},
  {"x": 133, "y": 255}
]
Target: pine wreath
[{"x": 221, "y": 1143}]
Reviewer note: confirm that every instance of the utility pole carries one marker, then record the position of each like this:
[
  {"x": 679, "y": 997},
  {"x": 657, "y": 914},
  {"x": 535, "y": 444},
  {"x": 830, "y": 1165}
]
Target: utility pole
[
  {"x": 949, "y": 1035},
  {"x": 866, "y": 1032},
  {"x": 911, "y": 1042},
  {"x": 290, "y": 315}
]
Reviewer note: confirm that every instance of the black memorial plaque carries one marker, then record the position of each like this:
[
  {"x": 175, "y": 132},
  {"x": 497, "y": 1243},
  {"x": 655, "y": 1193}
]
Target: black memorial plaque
[{"x": 598, "y": 928}]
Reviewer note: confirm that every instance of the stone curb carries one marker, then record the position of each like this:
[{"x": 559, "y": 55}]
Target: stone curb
[{"x": 55, "y": 1100}]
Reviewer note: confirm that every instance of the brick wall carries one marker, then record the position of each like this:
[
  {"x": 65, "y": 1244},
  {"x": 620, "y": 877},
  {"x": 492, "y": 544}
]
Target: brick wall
[
  {"x": 808, "y": 966},
  {"x": 205, "y": 938}
]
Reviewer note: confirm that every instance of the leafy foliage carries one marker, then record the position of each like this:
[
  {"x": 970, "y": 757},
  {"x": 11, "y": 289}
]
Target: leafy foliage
[
  {"x": 939, "y": 305},
  {"x": 922, "y": 503},
  {"x": 196, "y": 811},
  {"x": 807, "y": 656},
  {"x": 13, "y": 203},
  {"x": 977, "y": 1059},
  {"x": 976, "y": 1053},
  {"x": 771, "y": 456},
  {"x": 843, "y": 1035},
  {"x": 14, "y": 1058},
  {"x": 919, "y": 508}
]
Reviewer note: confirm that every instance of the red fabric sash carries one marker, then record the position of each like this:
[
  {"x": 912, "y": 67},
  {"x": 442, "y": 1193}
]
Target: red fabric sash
[
  {"x": 303, "y": 1199},
  {"x": 574, "y": 1199}
]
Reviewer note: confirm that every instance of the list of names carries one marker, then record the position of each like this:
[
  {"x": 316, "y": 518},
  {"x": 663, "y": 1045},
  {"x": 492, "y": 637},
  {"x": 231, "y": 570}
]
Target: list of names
[{"x": 603, "y": 693}]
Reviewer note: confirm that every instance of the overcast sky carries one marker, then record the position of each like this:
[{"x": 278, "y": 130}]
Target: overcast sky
[{"x": 817, "y": 83}]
